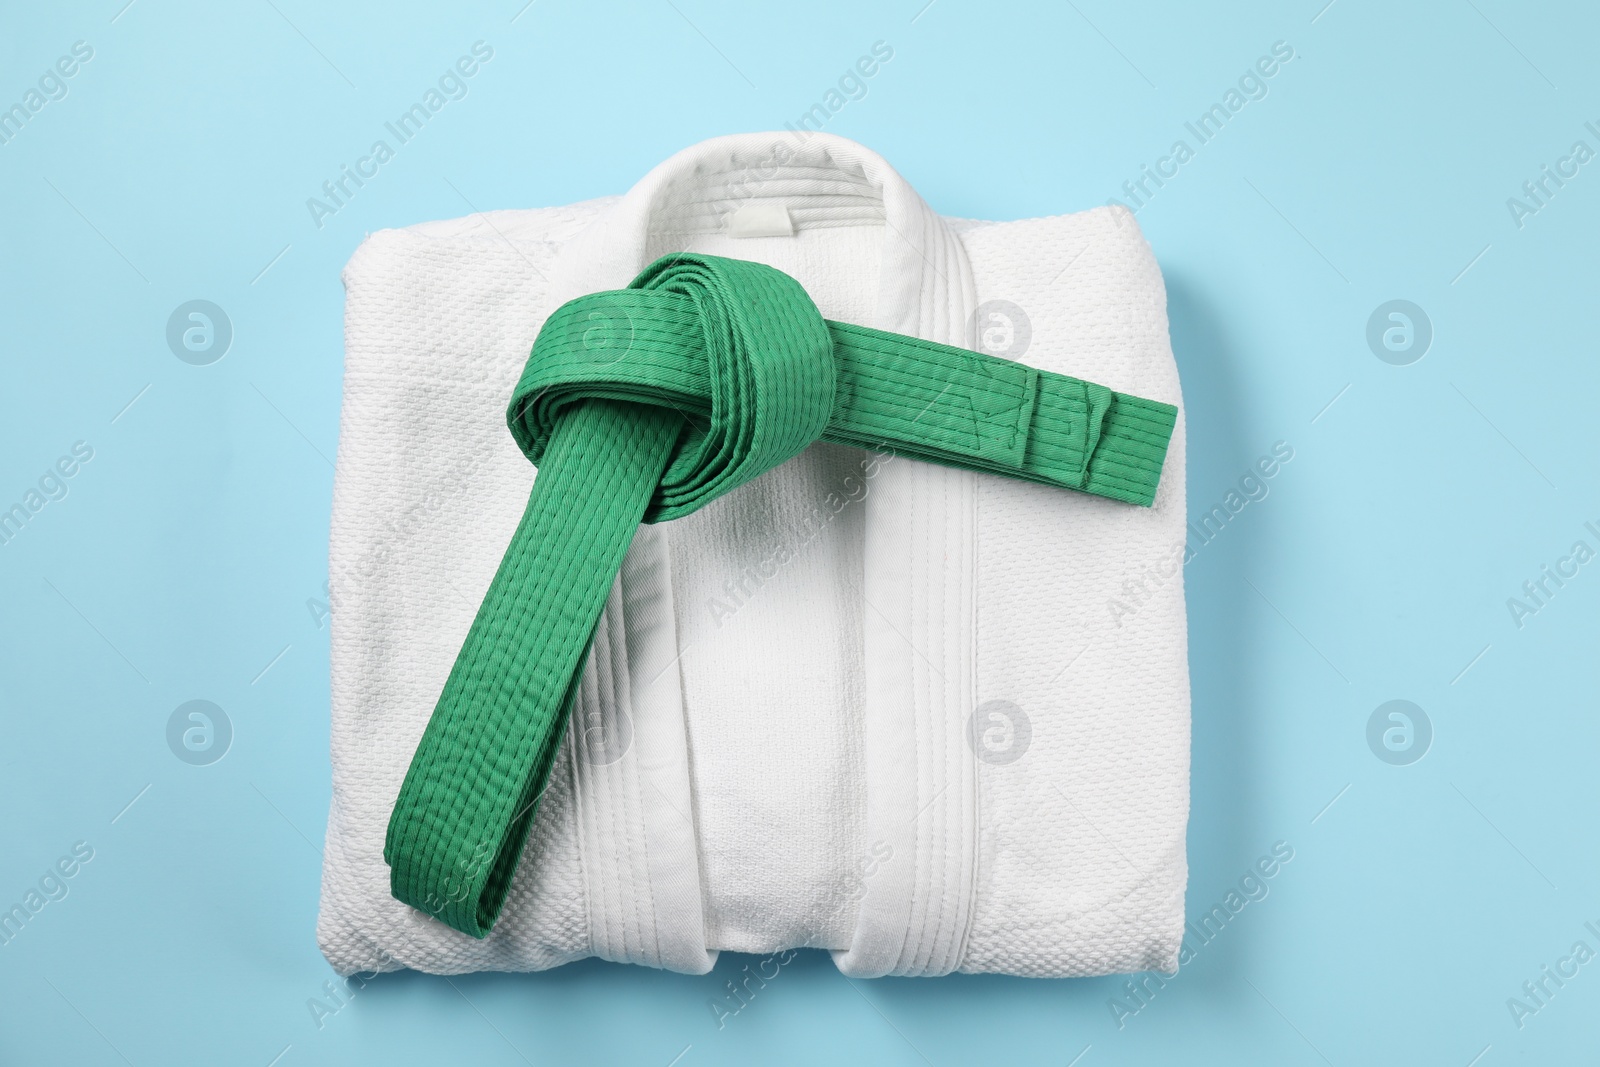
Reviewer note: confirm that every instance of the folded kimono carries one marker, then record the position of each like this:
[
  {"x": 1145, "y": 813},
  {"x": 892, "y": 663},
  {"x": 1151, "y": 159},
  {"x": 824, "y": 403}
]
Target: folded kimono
[{"x": 932, "y": 716}]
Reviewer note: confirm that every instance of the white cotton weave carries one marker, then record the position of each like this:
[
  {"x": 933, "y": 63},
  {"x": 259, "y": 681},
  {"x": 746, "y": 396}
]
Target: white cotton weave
[{"x": 930, "y": 719}]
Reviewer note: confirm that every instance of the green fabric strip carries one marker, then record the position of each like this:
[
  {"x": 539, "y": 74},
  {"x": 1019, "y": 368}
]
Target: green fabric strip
[{"x": 643, "y": 405}]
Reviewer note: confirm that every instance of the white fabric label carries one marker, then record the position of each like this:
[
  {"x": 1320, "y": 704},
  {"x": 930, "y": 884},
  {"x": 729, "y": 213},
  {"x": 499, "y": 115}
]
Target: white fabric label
[{"x": 761, "y": 219}]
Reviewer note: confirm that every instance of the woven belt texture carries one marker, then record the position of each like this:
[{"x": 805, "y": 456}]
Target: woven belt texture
[{"x": 643, "y": 405}]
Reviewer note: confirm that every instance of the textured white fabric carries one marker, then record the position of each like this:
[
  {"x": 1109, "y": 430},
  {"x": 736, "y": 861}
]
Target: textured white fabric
[{"x": 910, "y": 714}]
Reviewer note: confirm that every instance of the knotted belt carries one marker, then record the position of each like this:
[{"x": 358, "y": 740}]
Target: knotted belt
[{"x": 645, "y": 404}]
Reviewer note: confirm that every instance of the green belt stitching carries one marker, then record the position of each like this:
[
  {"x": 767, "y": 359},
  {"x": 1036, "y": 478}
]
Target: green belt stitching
[{"x": 645, "y": 404}]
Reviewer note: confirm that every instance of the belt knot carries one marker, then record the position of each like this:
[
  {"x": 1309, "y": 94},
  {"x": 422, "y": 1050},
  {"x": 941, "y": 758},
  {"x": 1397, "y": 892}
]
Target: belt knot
[{"x": 750, "y": 356}]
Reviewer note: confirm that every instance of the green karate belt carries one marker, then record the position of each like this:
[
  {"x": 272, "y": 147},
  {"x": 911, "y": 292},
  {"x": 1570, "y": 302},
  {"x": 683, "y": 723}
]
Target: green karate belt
[{"x": 645, "y": 404}]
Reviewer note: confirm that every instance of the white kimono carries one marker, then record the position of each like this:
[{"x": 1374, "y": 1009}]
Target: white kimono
[{"x": 929, "y": 719}]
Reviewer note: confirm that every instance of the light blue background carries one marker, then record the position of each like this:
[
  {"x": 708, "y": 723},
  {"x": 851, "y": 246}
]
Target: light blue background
[{"x": 1378, "y": 166}]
